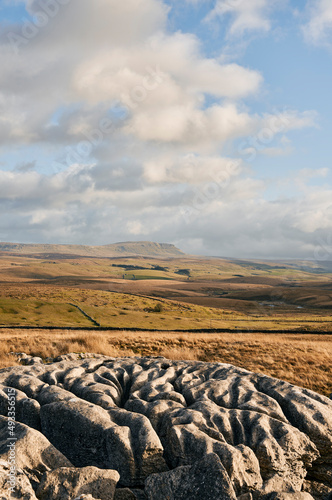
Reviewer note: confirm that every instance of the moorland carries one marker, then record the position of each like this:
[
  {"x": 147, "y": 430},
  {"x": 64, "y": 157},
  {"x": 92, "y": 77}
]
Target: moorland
[{"x": 144, "y": 298}]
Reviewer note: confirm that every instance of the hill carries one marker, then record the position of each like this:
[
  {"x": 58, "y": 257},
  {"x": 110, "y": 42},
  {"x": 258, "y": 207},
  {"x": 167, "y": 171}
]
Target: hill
[{"x": 125, "y": 249}]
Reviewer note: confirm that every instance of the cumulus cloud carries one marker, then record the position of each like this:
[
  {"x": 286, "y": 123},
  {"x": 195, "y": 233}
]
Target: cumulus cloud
[
  {"x": 190, "y": 169},
  {"x": 137, "y": 125},
  {"x": 247, "y": 16},
  {"x": 318, "y": 29}
]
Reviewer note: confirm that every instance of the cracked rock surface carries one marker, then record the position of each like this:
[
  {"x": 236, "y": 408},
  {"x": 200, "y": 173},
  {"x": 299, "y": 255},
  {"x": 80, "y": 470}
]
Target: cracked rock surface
[{"x": 150, "y": 428}]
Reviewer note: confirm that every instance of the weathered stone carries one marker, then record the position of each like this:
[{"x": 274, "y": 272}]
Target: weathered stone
[
  {"x": 97, "y": 440},
  {"x": 128, "y": 414},
  {"x": 145, "y": 443},
  {"x": 207, "y": 478},
  {"x": 155, "y": 411},
  {"x": 32, "y": 451},
  {"x": 286, "y": 496},
  {"x": 282, "y": 451},
  {"x": 93, "y": 440},
  {"x": 321, "y": 471},
  {"x": 26, "y": 410},
  {"x": 139, "y": 494},
  {"x": 66, "y": 483},
  {"x": 186, "y": 443},
  {"x": 85, "y": 497},
  {"x": 124, "y": 494},
  {"x": 14, "y": 485},
  {"x": 28, "y": 384},
  {"x": 276, "y": 495},
  {"x": 32, "y": 360},
  {"x": 85, "y": 386},
  {"x": 234, "y": 391},
  {"x": 309, "y": 412},
  {"x": 318, "y": 490},
  {"x": 54, "y": 394}
]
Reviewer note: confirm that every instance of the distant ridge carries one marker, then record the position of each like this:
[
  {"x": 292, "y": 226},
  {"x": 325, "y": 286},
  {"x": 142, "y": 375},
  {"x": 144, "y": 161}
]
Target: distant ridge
[{"x": 124, "y": 249}]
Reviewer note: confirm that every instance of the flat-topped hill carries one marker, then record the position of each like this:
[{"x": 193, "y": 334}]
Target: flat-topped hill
[{"x": 125, "y": 249}]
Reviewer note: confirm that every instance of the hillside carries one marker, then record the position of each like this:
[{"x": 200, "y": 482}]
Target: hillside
[{"x": 125, "y": 249}]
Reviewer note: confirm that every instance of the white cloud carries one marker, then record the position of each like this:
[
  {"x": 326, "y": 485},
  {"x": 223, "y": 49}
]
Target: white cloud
[
  {"x": 194, "y": 127},
  {"x": 218, "y": 216},
  {"x": 318, "y": 30},
  {"x": 101, "y": 22},
  {"x": 190, "y": 169},
  {"x": 168, "y": 70},
  {"x": 247, "y": 15},
  {"x": 136, "y": 228},
  {"x": 176, "y": 113}
]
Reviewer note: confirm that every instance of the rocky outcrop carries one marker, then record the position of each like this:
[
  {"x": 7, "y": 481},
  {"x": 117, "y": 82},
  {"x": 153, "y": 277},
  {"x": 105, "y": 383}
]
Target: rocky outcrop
[
  {"x": 68, "y": 483},
  {"x": 19, "y": 488},
  {"x": 207, "y": 478},
  {"x": 29, "y": 450},
  {"x": 137, "y": 428}
]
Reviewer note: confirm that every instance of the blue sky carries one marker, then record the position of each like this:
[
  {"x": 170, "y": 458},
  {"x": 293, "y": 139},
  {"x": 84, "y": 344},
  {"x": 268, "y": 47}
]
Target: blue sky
[{"x": 205, "y": 123}]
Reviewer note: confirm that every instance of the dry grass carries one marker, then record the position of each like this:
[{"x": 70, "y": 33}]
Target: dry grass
[
  {"x": 177, "y": 353},
  {"x": 304, "y": 360}
]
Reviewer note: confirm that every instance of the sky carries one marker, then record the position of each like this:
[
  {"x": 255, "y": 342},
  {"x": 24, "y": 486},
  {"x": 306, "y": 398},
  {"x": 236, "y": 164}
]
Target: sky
[{"x": 202, "y": 123}]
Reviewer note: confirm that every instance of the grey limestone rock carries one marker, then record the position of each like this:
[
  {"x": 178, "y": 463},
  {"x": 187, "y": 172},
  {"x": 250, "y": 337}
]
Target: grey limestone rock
[
  {"x": 207, "y": 478},
  {"x": 128, "y": 445},
  {"x": 33, "y": 452},
  {"x": 143, "y": 416},
  {"x": 26, "y": 409}
]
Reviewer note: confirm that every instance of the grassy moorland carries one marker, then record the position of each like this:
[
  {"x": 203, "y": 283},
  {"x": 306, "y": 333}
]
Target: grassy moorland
[
  {"x": 61, "y": 306},
  {"x": 47, "y": 305},
  {"x": 303, "y": 360},
  {"x": 161, "y": 289}
]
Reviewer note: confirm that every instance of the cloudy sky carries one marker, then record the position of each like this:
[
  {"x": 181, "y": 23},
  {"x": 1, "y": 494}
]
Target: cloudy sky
[{"x": 203, "y": 123}]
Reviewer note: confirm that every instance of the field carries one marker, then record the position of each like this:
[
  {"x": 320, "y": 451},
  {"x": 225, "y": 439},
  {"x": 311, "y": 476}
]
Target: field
[
  {"x": 273, "y": 317},
  {"x": 304, "y": 360}
]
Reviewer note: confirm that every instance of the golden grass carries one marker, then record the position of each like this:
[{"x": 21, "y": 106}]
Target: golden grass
[
  {"x": 304, "y": 360},
  {"x": 178, "y": 353}
]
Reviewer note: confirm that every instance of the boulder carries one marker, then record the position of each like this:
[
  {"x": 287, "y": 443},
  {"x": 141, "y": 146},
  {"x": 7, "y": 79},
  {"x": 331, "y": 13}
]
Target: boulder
[
  {"x": 26, "y": 410},
  {"x": 143, "y": 416},
  {"x": 31, "y": 450},
  {"x": 312, "y": 414},
  {"x": 28, "y": 384},
  {"x": 128, "y": 445},
  {"x": 67, "y": 483},
  {"x": 14, "y": 484},
  {"x": 283, "y": 452},
  {"x": 207, "y": 478}
]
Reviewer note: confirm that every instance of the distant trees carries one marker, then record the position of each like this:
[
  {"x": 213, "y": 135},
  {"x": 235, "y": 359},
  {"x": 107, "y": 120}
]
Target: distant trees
[{"x": 184, "y": 272}]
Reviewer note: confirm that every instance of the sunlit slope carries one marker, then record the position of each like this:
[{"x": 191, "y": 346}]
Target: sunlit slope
[
  {"x": 43, "y": 305},
  {"x": 46, "y": 306}
]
